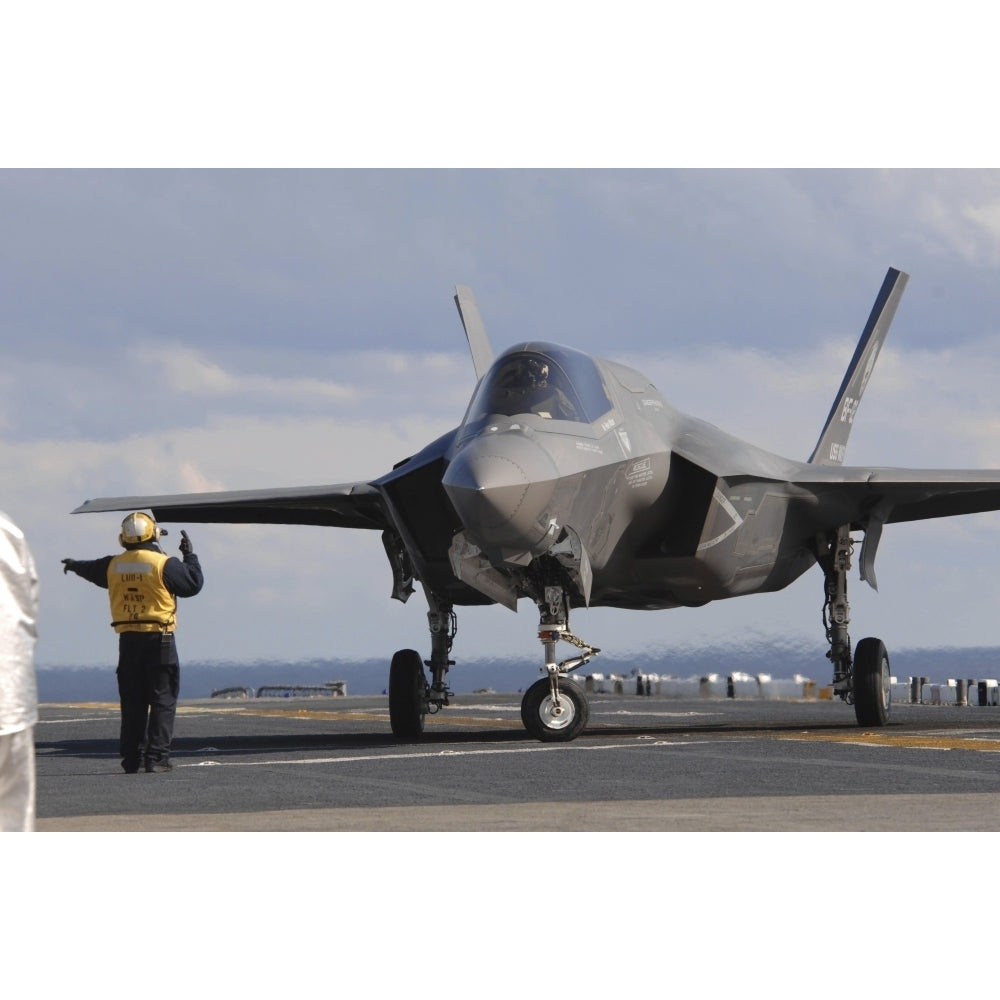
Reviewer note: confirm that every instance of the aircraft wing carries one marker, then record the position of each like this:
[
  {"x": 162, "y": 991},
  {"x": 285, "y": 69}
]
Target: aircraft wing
[
  {"x": 914, "y": 495},
  {"x": 347, "y": 505},
  {"x": 895, "y": 495},
  {"x": 871, "y": 498}
]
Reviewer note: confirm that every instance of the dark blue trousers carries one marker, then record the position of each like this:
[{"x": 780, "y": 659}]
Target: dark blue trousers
[{"x": 148, "y": 684}]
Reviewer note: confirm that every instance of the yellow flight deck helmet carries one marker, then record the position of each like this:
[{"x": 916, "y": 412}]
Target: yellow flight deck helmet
[{"x": 137, "y": 528}]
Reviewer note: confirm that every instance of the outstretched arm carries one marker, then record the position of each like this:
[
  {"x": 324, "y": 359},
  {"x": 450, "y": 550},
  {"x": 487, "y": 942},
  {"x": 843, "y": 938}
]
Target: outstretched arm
[{"x": 94, "y": 570}]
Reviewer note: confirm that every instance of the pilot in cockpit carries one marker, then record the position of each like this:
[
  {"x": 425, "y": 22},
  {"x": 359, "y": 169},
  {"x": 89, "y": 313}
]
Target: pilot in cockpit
[{"x": 527, "y": 388}]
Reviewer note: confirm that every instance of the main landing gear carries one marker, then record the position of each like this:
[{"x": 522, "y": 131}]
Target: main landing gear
[
  {"x": 861, "y": 679},
  {"x": 411, "y": 697}
]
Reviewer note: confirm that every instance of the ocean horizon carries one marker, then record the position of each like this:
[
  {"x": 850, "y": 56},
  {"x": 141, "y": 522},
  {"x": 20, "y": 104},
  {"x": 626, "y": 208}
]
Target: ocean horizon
[{"x": 97, "y": 682}]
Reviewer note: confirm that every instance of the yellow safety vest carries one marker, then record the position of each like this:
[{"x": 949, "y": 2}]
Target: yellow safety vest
[{"x": 140, "y": 601}]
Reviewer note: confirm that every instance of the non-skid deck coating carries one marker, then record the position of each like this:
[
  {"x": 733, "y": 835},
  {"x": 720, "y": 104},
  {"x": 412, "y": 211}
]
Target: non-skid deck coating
[{"x": 644, "y": 763}]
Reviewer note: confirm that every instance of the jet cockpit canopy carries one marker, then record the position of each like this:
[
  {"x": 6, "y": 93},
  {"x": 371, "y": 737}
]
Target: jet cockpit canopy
[{"x": 547, "y": 380}]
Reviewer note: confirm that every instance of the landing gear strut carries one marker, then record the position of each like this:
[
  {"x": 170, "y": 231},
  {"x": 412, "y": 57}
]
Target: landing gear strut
[
  {"x": 861, "y": 679},
  {"x": 554, "y": 709},
  {"x": 411, "y": 697}
]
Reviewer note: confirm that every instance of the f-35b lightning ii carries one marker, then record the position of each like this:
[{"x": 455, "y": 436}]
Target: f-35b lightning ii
[{"x": 573, "y": 483}]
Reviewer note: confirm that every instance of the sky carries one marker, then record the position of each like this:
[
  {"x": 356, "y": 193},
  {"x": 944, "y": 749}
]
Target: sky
[
  {"x": 207, "y": 290},
  {"x": 185, "y": 330}
]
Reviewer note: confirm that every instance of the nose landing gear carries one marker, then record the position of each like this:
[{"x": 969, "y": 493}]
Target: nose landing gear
[{"x": 554, "y": 709}]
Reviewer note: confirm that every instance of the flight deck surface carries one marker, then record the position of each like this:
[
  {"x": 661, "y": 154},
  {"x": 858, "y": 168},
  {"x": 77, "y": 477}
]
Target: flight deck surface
[{"x": 642, "y": 764}]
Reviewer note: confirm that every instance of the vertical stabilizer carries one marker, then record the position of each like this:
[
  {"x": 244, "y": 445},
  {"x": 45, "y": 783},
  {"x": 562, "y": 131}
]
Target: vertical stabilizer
[
  {"x": 832, "y": 444},
  {"x": 475, "y": 331}
]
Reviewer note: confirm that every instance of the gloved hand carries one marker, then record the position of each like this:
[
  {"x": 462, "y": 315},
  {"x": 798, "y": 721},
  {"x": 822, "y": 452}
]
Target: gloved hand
[
  {"x": 186, "y": 547},
  {"x": 69, "y": 564}
]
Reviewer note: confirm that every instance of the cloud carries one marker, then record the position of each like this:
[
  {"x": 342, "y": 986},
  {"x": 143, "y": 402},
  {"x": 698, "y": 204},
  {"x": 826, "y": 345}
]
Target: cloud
[
  {"x": 923, "y": 408},
  {"x": 284, "y": 588},
  {"x": 969, "y": 226},
  {"x": 190, "y": 372},
  {"x": 376, "y": 378},
  {"x": 280, "y": 574},
  {"x": 285, "y": 328}
]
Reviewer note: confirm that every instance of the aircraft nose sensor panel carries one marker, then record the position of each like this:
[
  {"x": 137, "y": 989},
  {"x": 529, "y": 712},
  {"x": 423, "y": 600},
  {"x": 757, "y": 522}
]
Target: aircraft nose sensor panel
[{"x": 501, "y": 486}]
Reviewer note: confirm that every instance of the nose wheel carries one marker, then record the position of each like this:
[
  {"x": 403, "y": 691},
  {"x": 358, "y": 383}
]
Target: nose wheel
[{"x": 554, "y": 715}]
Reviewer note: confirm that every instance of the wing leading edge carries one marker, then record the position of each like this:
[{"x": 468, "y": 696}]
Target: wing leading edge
[
  {"x": 870, "y": 498},
  {"x": 897, "y": 495},
  {"x": 346, "y": 505}
]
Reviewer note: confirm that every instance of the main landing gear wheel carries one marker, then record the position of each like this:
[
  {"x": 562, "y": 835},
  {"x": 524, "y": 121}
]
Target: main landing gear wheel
[
  {"x": 550, "y": 722},
  {"x": 407, "y": 694},
  {"x": 872, "y": 683}
]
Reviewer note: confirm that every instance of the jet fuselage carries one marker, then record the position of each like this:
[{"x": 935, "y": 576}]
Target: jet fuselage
[{"x": 645, "y": 507}]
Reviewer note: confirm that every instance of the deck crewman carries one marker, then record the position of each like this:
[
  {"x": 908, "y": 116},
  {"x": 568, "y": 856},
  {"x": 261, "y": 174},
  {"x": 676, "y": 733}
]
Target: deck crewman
[{"x": 143, "y": 585}]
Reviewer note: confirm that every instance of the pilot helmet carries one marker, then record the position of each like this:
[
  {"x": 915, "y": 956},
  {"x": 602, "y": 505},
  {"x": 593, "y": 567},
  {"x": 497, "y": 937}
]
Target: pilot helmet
[
  {"x": 138, "y": 528},
  {"x": 537, "y": 372}
]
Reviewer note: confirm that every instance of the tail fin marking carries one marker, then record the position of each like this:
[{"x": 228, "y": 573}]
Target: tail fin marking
[{"x": 832, "y": 444}]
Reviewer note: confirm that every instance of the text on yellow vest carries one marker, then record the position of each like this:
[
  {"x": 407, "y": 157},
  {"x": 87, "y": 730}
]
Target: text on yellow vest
[{"x": 140, "y": 601}]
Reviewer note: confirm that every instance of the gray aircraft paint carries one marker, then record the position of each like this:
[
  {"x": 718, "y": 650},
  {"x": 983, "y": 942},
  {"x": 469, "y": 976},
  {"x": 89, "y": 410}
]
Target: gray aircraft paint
[{"x": 604, "y": 489}]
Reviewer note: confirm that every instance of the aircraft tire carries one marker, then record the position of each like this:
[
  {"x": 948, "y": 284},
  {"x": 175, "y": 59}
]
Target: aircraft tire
[
  {"x": 545, "y": 724},
  {"x": 872, "y": 684},
  {"x": 407, "y": 694}
]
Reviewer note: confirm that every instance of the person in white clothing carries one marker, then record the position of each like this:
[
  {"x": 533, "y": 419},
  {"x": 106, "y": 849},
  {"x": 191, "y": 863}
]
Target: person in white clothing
[{"x": 18, "y": 687}]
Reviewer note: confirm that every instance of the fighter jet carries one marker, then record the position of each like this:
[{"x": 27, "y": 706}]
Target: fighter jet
[{"x": 572, "y": 482}]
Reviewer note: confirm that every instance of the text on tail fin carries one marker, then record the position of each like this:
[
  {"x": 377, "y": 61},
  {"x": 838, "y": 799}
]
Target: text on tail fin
[{"x": 832, "y": 444}]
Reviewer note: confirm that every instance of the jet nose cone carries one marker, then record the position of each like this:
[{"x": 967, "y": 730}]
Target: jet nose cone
[{"x": 500, "y": 486}]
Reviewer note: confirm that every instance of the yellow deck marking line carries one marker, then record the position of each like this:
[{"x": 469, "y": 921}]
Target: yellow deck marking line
[
  {"x": 430, "y": 720},
  {"x": 866, "y": 737},
  {"x": 376, "y": 716},
  {"x": 911, "y": 742},
  {"x": 307, "y": 713},
  {"x": 111, "y": 705}
]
